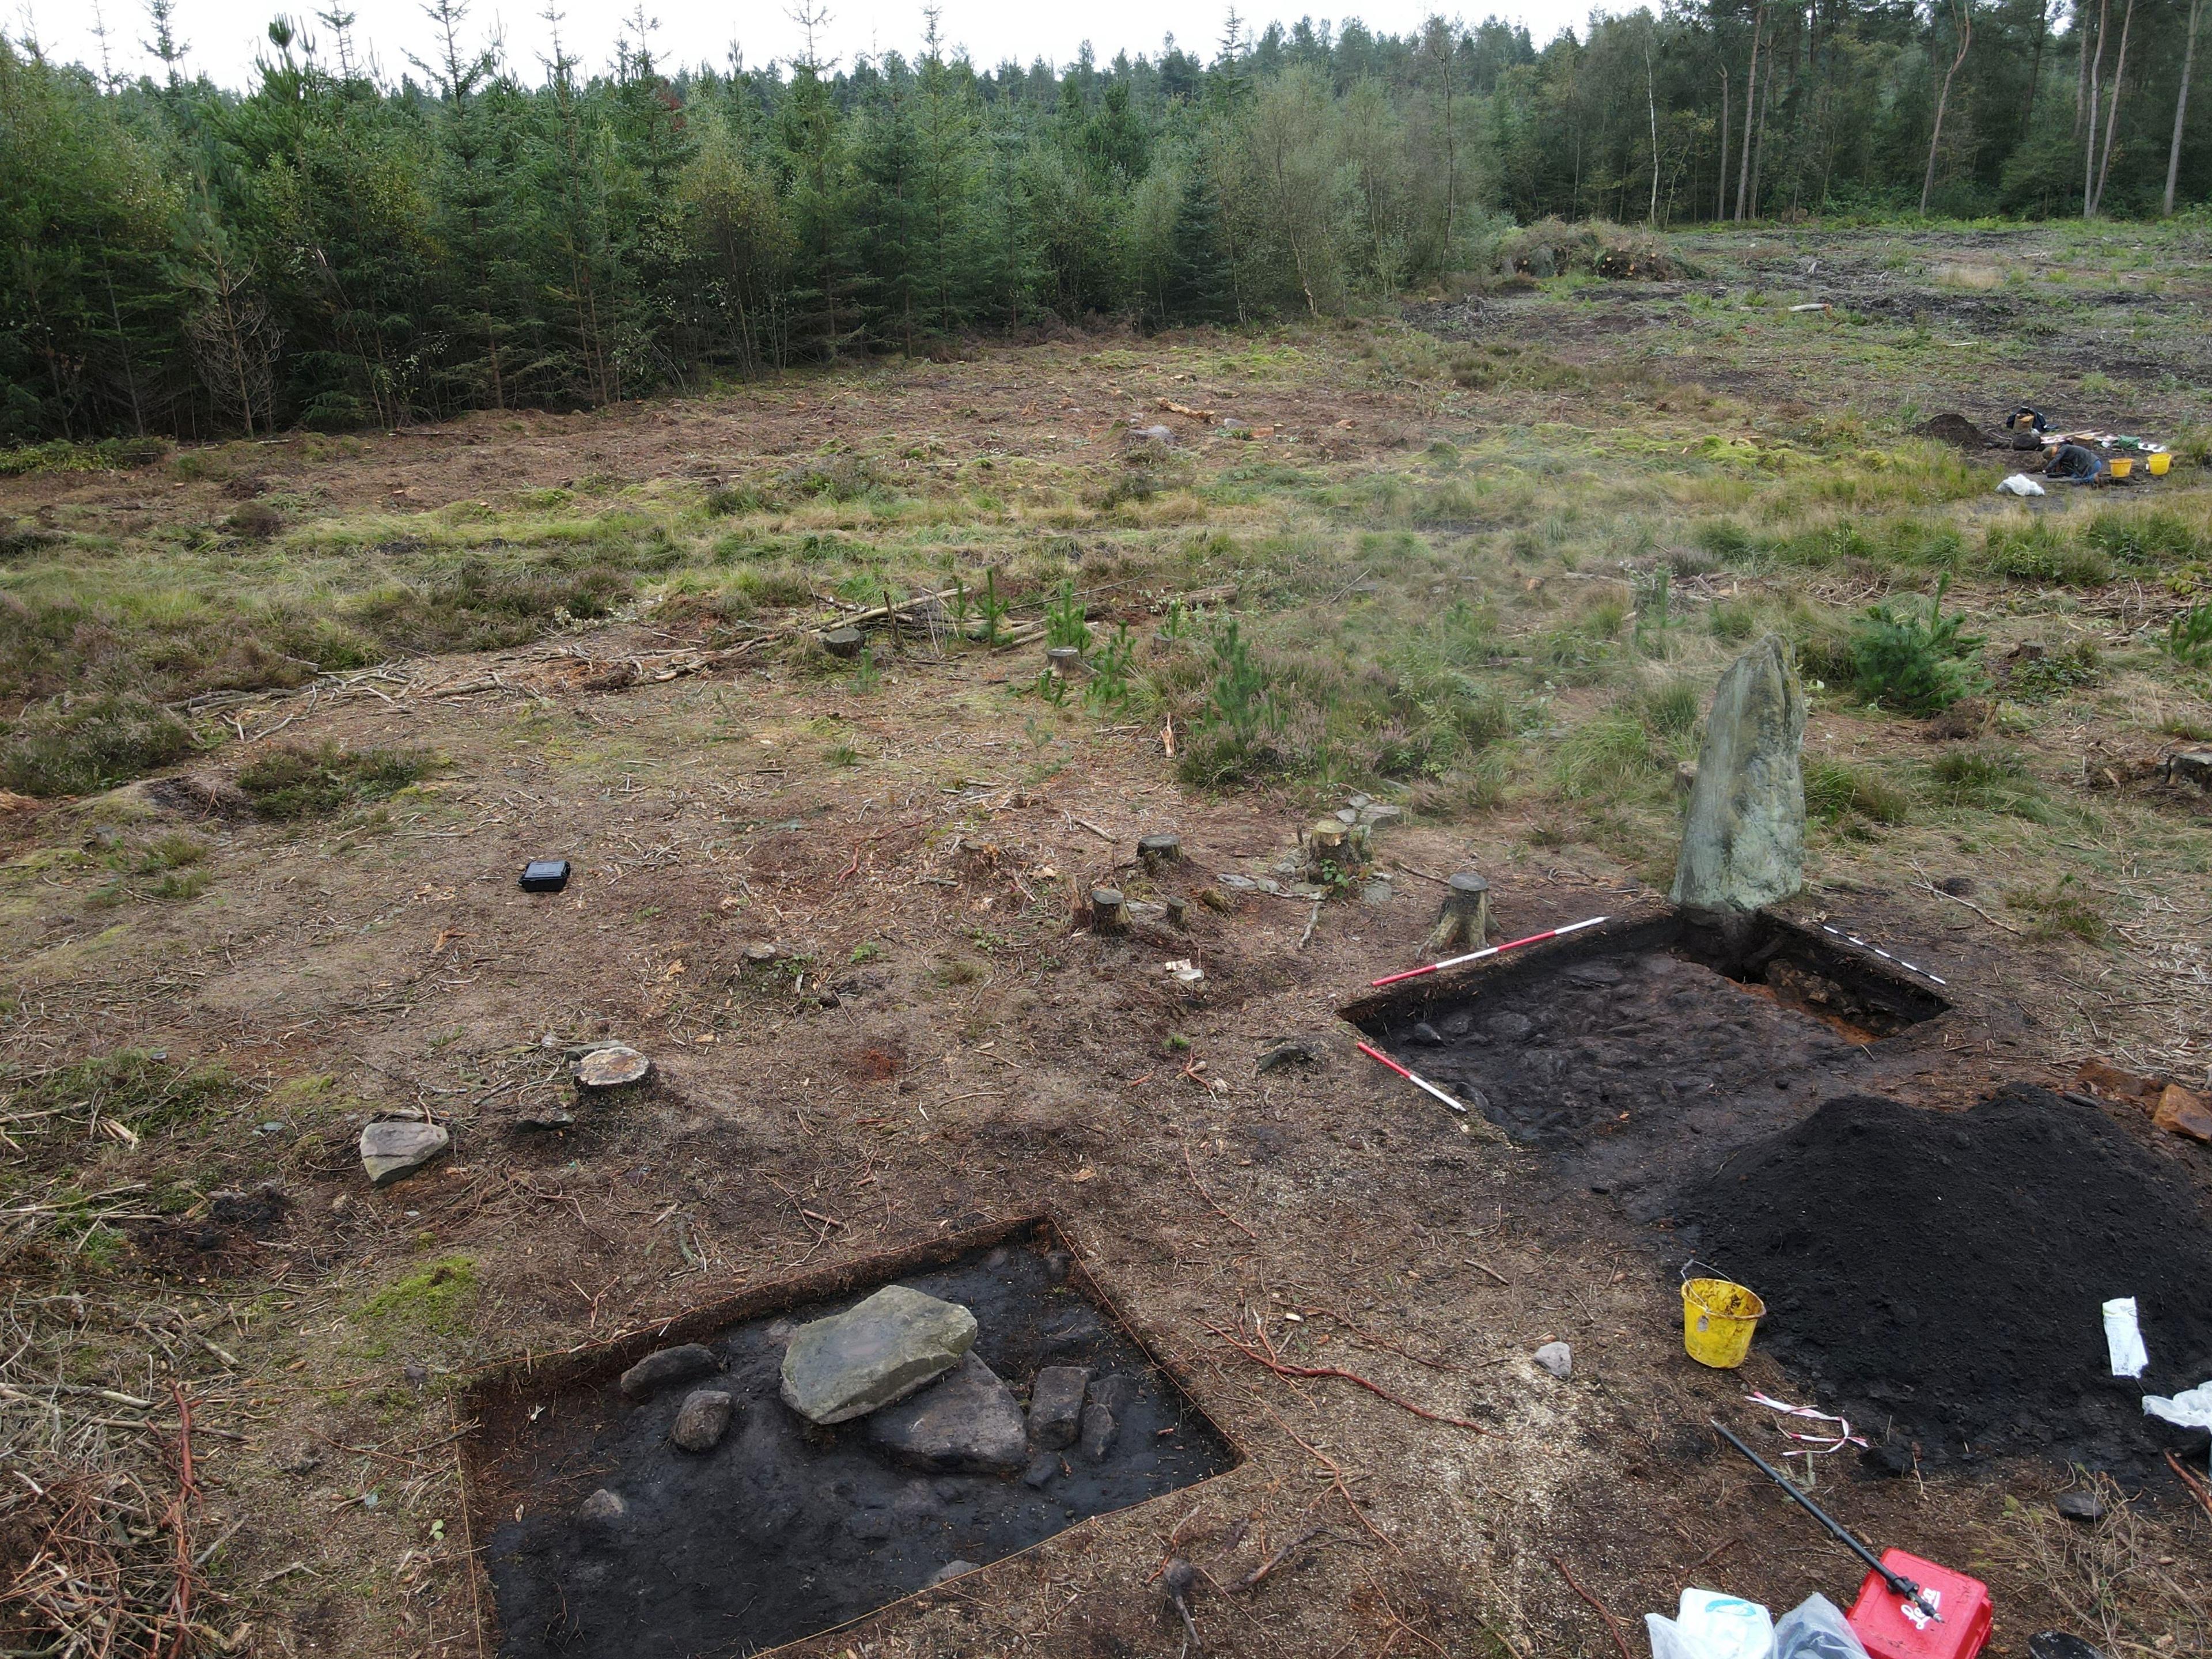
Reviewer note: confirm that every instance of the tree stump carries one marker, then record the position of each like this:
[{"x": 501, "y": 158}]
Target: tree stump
[
  {"x": 1178, "y": 913},
  {"x": 843, "y": 641},
  {"x": 1465, "y": 917},
  {"x": 1064, "y": 660},
  {"x": 617, "y": 1065},
  {"x": 1156, "y": 850},
  {"x": 1109, "y": 914},
  {"x": 1332, "y": 843}
]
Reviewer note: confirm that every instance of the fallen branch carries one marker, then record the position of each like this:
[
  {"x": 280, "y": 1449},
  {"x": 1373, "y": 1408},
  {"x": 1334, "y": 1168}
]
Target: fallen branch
[
  {"x": 1283, "y": 1369},
  {"x": 1954, "y": 898},
  {"x": 1612, "y": 1624}
]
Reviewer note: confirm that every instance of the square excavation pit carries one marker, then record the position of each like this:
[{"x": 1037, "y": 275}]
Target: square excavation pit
[
  {"x": 786, "y": 1529},
  {"x": 1638, "y": 1051}
]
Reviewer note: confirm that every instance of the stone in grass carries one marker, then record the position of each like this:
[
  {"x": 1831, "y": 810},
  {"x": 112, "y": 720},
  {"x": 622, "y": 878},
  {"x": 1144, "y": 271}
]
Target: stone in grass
[
  {"x": 1056, "y": 1405},
  {"x": 1558, "y": 1358},
  {"x": 391, "y": 1150},
  {"x": 965, "y": 1423},
  {"x": 664, "y": 1366},
  {"x": 2081, "y": 1504},
  {"x": 704, "y": 1418},
  {"x": 615, "y": 1066},
  {"x": 951, "y": 1570},
  {"x": 873, "y": 1354}
]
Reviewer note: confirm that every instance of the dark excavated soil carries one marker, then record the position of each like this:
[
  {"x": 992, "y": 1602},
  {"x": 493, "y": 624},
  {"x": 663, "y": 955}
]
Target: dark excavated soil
[
  {"x": 1942, "y": 1274},
  {"x": 1633, "y": 1062},
  {"x": 784, "y": 1529}
]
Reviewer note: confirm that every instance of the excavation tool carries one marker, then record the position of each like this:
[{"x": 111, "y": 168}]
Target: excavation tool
[
  {"x": 1478, "y": 956},
  {"x": 1902, "y": 1587}
]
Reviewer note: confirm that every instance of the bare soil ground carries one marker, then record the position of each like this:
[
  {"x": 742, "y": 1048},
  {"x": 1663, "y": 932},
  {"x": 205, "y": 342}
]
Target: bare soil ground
[{"x": 933, "y": 1039}]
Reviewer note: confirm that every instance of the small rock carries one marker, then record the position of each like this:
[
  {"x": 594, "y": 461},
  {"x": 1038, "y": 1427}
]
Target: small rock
[
  {"x": 2183, "y": 1112},
  {"x": 951, "y": 1570},
  {"x": 700, "y": 1425},
  {"x": 602, "y": 1508},
  {"x": 658, "y": 1370},
  {"x": 1079, "y": 1334},
  {"x": 1557, "y": 1358},
  {"x": 1375, "y": 814},
  {"x": 301, "y": 1459},
  {"x": 1110, "y": 1399},
  {"x": 1056, "y": 1405},
  {"x": 759, "y": 952},
  {"x": 780, "y": 1333},
  {"x": 1041, "y": 1469},
  {"x": 1099, "y": 1430},
  {"x": 1056, "y": 1264},
  {"x": 1427, "y": 1036},
  {"x": 966, "y": 1423},
  {"x": 876, "y": 1353},
  {"x": 1283, "y": 1052},
  {"x": 614, "y": 1067},
  {"x": 1957, "y": 886},
  {"x": 415, "y": 1375},
  {"x": 2081, "y": 1504},
  {"x": 1510, "y": 1027},
  {"x": 390, "y": 1149}
]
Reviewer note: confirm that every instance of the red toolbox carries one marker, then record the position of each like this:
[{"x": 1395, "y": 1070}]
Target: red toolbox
[{"x": 1892, "y": 1628}]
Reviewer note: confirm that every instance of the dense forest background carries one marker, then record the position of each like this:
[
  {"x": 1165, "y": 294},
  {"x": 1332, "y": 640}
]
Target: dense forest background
[{"x": 335, "y": 247}]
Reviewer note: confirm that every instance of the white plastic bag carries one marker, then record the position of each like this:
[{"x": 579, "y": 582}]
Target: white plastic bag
[
  {"x": 1708, "y": 1625},
  {"x": 2021, "y": 484},
  {"x": 2192, "y": 1408},
  {"x": 2123, "y": 1338},
  {"x": 1815, "y": 1628}
]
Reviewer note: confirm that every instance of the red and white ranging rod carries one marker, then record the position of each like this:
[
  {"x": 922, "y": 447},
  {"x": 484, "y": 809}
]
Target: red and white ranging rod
[
  {"x": 1478, "y": 956},
  {"x": 1418, "y": 1081}
]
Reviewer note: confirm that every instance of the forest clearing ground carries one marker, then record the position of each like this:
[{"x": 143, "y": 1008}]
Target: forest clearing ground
[{"x": 1445, "y": 558}]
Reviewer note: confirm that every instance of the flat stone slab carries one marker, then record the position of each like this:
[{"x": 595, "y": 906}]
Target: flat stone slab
[
  {"x": 701, "y": 1424},
  {"x": 1056, "y": 1405},
  {"x": 664, "y": 1366},
  {"x": 614, "y": 1067},
  {"x": 966, "y": 1423},
  {"x": 391, "y": 1150},
  {"x": 873, "y": 1354}
]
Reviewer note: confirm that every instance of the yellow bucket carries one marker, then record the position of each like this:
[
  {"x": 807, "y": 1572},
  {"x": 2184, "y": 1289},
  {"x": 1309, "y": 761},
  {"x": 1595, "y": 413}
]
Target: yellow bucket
[
  {"x": 2121, "y": 465},
  {"x": 2159, "y": 462},
  {"x": 1718, "y": 1321}
]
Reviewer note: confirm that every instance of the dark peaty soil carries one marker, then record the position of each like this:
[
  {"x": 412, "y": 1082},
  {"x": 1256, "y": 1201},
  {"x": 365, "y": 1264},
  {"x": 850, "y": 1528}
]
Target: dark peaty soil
[
  {"x": 1630, "y": 1063},
  {"x": 784, "y": 1529},
  {"x": 1943, "y": 1273}
]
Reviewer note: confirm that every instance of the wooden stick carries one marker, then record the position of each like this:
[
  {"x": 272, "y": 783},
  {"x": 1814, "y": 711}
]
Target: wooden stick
[
  {"x": 1611, "y": 1623},
  {"x": 1270, "y": 1563},
  {"x": 2196, "y": 1487}
]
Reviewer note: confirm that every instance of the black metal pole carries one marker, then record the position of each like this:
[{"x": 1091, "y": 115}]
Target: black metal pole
[{"x": 1897, "y": 1581}]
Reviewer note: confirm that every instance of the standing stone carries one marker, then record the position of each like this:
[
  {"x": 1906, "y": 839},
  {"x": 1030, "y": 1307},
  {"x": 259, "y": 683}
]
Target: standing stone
[
  {"x": 391, "y": 1150},
  {"x": 1743, "y": 846},
  {"x": 967, "y": 1423},
  {"x": 701, "y": 1424},
  {"x": 876, "y": 1353},
  {"x": 1056, "y": 1405}
]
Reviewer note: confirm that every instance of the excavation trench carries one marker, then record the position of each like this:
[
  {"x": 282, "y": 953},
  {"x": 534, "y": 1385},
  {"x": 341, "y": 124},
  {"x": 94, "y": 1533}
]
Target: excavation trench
[{"x": 785, "y": 1530}]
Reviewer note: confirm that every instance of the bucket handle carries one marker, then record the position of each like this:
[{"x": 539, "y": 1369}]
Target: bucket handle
[{"x": 1683, "y": 1271}]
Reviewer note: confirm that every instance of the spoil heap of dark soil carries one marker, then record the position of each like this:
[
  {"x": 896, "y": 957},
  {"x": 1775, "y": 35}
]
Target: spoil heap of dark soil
[{"x": 1943, "y": 1275}]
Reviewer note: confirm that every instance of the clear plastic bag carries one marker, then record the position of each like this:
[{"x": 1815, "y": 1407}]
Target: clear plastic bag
[
  {"x": 1815, "y": 1628},
  {"x": 1708, "y": 1625}
]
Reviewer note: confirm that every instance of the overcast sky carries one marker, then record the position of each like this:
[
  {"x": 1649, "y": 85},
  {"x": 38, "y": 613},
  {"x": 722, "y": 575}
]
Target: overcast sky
[{"x": 224, "y": 35}]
